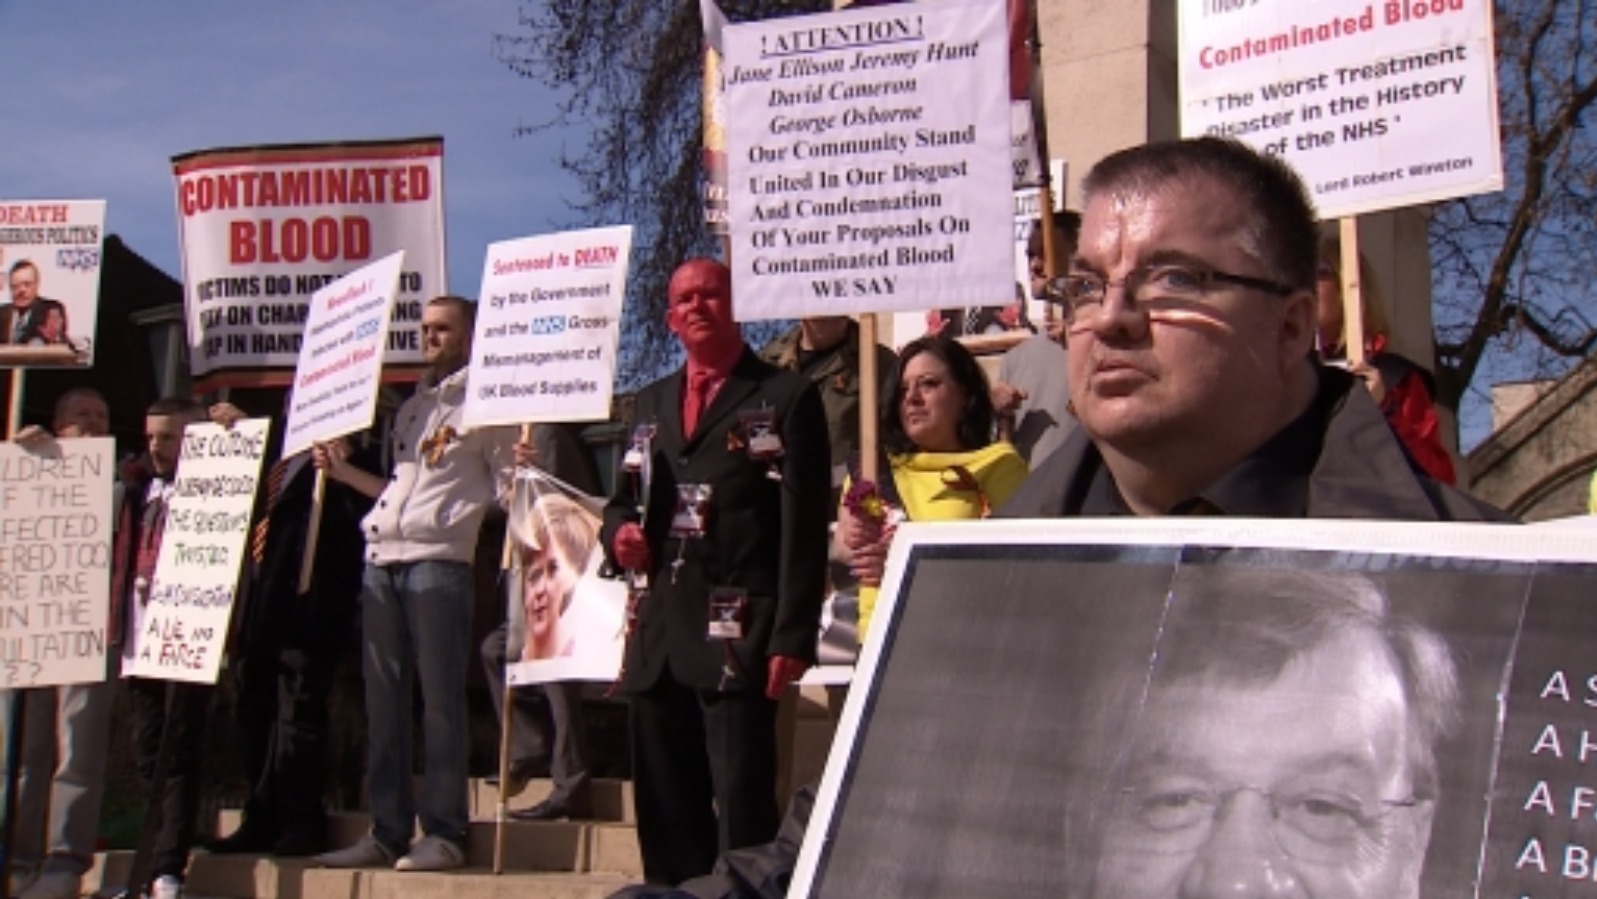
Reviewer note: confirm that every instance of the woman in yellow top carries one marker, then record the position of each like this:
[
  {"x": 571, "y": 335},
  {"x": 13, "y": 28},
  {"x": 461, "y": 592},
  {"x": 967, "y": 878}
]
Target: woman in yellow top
[{"x": 937, "y": 434}]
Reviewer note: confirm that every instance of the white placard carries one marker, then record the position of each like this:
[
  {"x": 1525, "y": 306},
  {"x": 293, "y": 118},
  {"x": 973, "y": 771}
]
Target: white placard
[
  {"x": 55, "y": 561},
  {"x": 262, "y": 228},
  {"x": 547, "y": 327},
  {"x": 1377, "y": 105},
  {"x": 869, "y": 160},
  {"x": 50, "y": 260},
  {"x": 179, "y": 631},
  {"x": 341, "y": 359}
]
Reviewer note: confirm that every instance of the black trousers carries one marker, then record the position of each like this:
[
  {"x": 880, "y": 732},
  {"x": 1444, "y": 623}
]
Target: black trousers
[
  {"x": 179, "y": 800},
  {"x": 545, "y": 723},
  {"x": 282, "y": 717},
  {"x": 696, "y": 753}
]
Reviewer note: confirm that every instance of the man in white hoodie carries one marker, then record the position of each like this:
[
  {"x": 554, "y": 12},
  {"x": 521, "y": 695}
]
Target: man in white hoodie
[{"x": 417, "y": 597}]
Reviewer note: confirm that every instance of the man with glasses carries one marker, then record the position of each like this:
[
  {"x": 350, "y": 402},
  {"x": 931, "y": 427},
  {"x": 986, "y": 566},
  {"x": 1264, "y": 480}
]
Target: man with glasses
[
  {"x": 1288, "y": 745},
  {"x": 1190, "y": 314}
]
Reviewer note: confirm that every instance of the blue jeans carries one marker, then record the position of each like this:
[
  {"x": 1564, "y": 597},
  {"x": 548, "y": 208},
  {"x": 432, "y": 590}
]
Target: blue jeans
[{"x": 416, "y": 618}]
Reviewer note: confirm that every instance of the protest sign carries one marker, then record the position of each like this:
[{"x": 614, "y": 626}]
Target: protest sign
[
  {"x": 547, "y": 326},
  {"x": 565, "y": 622},
  {"x": 50, "y": 257},
  {"x": 341, "y": 357},
  {"x": 263, "y": 228},
  {"x": 55, "y": 562},
  {"x": 1377, "y": 105},
  {"x": 860, "y": 182},
  {"x": 1402, "y": 708},
  {"x": 177, "y": 624}
]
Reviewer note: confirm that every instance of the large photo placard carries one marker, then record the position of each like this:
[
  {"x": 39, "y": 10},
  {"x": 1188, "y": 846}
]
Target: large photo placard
[
  {"x": 178, "y": 623},
  {"x": 1378, "y": 105},
  {"x": 263, "y": 228},
  {"x": 55, "y": 561},
  {"x": 1156, "y": 708},
  {"x": 547, "y": 328},
  {"x": 341, "y": 358},
  {"x": 860, "y": 180},
  {"x": 49, "y": 281}
]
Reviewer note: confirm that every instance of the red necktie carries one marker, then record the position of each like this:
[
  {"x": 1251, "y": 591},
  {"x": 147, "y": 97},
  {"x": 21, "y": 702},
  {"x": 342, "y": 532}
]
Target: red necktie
[
  {"x": 274, "y": 491},
  {"x": 698, "y": 397}
]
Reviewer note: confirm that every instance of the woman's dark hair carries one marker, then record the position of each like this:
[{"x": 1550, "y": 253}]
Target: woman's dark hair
[{"x": 975, "y": 420}]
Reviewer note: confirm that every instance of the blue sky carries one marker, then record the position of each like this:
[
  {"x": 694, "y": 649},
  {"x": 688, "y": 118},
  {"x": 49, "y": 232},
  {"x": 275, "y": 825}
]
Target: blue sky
[{"x": 101, "y": 94}]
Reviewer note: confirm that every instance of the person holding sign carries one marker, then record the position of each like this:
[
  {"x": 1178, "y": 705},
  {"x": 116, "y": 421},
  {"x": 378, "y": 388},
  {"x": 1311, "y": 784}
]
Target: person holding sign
[
  {"x": 555, "y": 727},
  {"x": 61, "y": 780},
  {"x": 163, "y": 711},
  {"x": 1191, "y": 315},
  {"x": 417, "y": 598},
  {"x": 942, "y": 463},
  {"x": 287, "y": 647},
  {"x": 723, "y": 510},
  {"x": 1402, "y": 389}
]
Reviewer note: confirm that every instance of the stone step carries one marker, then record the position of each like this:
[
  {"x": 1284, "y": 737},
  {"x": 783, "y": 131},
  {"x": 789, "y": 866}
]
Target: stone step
[
  {"x": 576, "y": 846},
  {"x": 246, "y": 877},
  {"x": 610, "y": 800}
]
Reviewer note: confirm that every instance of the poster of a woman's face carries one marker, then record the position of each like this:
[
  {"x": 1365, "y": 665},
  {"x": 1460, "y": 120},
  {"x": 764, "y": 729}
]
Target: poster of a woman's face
[{"x": 557, "y": 541}]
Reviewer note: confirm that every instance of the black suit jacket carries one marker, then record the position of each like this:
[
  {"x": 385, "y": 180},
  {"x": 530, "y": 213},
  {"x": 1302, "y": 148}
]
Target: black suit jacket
[{"x": 764, "y": 535}]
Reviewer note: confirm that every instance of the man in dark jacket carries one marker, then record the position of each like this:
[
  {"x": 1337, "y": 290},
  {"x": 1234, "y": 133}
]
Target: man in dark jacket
[
  {"x": 724, "y": 509},
  {"x": 1190, "y": 318},
  {"x": 288, "y": 645}
]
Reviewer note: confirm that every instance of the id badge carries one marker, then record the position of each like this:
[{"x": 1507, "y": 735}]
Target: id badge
[
  {"x": 727, "y": 608},
  {"x": 692, "y": 516},
  {"x": 638, "y": 448},
  {"x": 760, "y": 434}
]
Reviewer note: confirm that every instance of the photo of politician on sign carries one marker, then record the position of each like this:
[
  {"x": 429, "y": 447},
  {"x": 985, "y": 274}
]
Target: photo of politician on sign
[
  {"x": 566, "y": 622},
  {"x": 1149, "y": 722}
]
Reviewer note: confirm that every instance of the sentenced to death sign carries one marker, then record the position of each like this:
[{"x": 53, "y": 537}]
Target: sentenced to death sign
[
  {"x": 1377, "y": 104},
  {"x": 178, "y": 622},
  {"x": 55, "y": 562},
  {"x": 263, "y": 228},
  {"x": 341, "y": 358},
  {"x": 49, "y": 281},
  {"x": 547, "y": 326},
  {"x": 869, "y": 160}
]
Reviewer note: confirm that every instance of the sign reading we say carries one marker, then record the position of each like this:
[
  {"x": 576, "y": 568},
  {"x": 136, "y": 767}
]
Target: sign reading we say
[
  {"x": 547, "y": 327},
  {"x": 178, "y": 622},
  {"x": 869, "y": 158},
  {"x": 341, "y": 357}
]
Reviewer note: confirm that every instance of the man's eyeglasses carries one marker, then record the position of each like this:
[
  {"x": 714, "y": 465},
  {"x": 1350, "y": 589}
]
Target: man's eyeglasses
[
  {"x": 1082, "y": 294},
  {"x": 1318, "y": 826}
]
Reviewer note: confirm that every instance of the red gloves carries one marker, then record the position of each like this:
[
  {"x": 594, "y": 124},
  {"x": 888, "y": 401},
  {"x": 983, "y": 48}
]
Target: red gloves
[
  {"x": 631, "y": 547},
  {"x": 784, "y": 670}
]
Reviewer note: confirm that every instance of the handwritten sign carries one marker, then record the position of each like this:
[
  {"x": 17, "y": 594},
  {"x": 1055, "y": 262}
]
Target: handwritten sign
[
  {"x": 341, "y": 358},
  {"x": 1378, "y": 105},
  {"x": 545, "y": 347},
  {"x": 263, "y": 228},
  {"x": 55, "y": 562},
  {"x": 869, "y": 160},
  {"x": 179, "y": 633}
]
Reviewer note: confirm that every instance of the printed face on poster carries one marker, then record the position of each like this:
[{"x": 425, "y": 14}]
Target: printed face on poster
[
  {"x": 55, "y": 561},
  {"x": 1377, "y": 105},
  {"x": 547, "y": 328},
  {"x": 859, "y": 182},
  {"x": 50, "y": 262},
  {"x": 341, "y": 358},
  {"x": 1229, "y": 704},
  {"x": 177, "y": 623},
  {"x": 263, "y": 228},
  {"x": 566, "y": 622}
]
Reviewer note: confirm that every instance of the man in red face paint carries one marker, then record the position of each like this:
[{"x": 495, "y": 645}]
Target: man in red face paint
[{"x": 722, "y": 510}]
